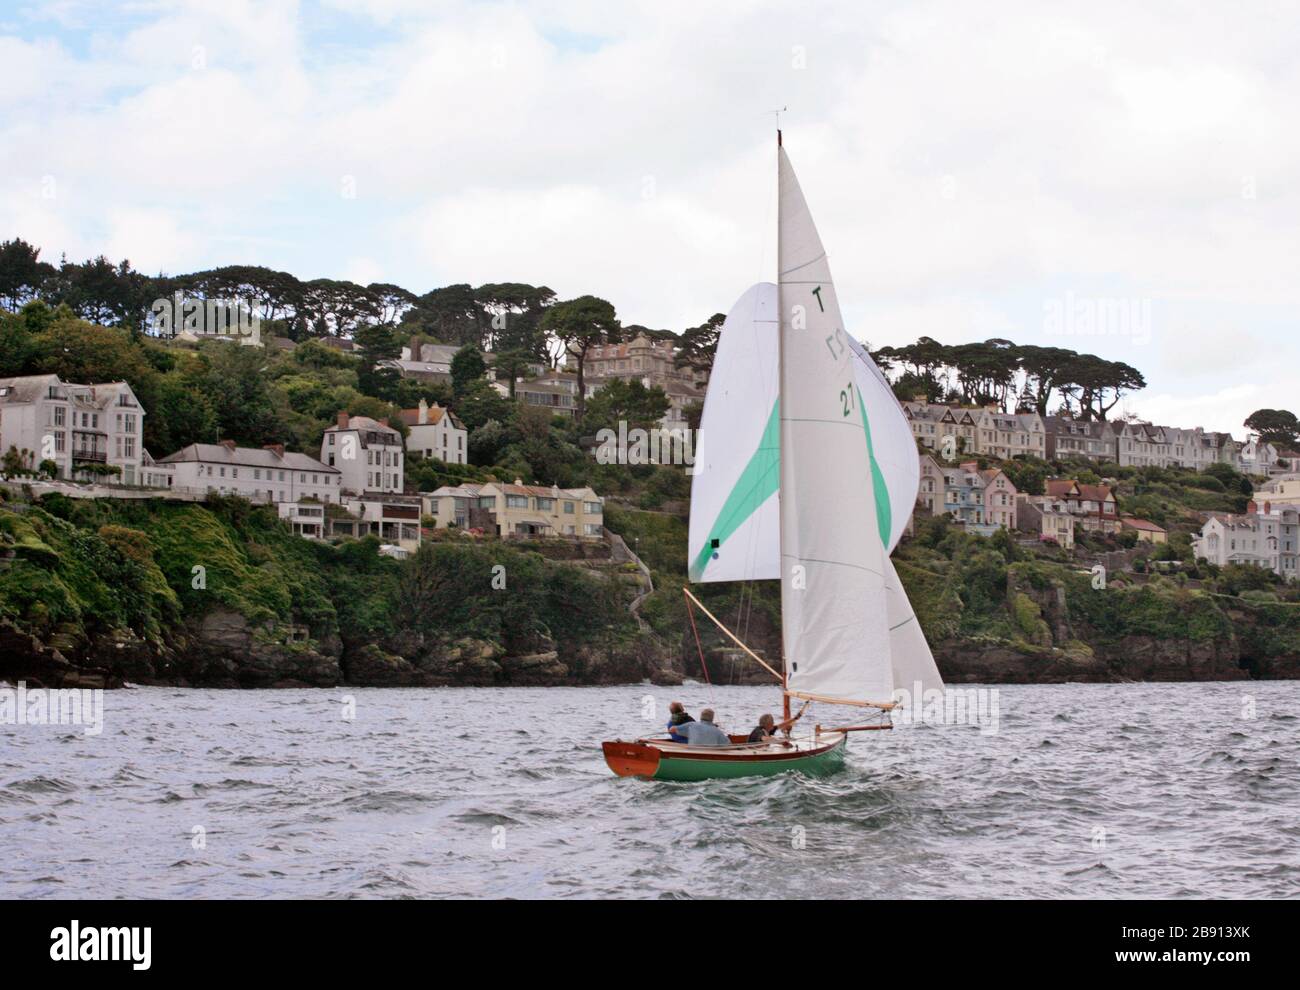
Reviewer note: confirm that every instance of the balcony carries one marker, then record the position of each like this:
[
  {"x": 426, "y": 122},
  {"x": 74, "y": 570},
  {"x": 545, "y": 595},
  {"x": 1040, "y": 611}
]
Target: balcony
[{"x": 99, "y": 456}]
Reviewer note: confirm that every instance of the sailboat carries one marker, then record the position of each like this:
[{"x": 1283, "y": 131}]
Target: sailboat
[{"x": 806, "y": 472}]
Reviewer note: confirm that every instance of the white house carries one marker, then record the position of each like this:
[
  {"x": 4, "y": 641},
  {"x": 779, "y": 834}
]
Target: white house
[
  {"x": 260, "y": 474},
  {"x": 367, "y": 453},
  {"x": 77, "y": 427},
  {"x": 1268, "y": 538},
  {"x": 435, "y": 433}
]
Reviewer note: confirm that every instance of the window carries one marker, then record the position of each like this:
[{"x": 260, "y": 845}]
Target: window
[
  {"x": 591, "y": 508},
  {"x": 59, "y": 412},
  {"x": 487, "y": 502},
  {"x": 516, "y": 501},
  {"x": 546, "y": 505},
  {"x": 568, "y": 508}
]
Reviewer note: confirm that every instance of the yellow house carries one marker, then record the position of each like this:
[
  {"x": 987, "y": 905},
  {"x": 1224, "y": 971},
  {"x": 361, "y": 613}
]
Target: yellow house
[
  {"x": 1146, "y": 531},
  {"x": 518, "y": 510}
]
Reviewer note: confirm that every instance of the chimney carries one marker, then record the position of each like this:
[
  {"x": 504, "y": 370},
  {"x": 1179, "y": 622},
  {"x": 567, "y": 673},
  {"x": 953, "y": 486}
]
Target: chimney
[
  {"x": 519, "y": 481},
  {"x": 229, "y": 445},
  {"x": 424, "y": 413},
  {"x": 1251, "y": 507},
  {"x": 343, "y": 421},
  {"x": 1268, "y": 507},
  {"x": 415, "y": 347},
  {"x": 922, "y": 400},
  {"x": 276, "y": 448}
]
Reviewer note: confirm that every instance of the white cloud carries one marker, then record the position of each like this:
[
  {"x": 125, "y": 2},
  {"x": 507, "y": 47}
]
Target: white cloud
[{"x": 953, "y": 156}]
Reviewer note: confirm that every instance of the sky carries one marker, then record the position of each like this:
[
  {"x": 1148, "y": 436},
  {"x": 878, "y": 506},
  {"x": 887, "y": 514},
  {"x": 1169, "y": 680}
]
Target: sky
[{"x": 1116, "y": 178}]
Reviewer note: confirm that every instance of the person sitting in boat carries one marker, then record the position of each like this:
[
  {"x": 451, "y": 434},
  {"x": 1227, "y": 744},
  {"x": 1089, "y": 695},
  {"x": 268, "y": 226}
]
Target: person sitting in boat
[
  {"x": 768, "y": 726},
  {"x": 765, "y": 730},
  {"x": 677, "y": 715},
  {"x": 703, "y": 732}
]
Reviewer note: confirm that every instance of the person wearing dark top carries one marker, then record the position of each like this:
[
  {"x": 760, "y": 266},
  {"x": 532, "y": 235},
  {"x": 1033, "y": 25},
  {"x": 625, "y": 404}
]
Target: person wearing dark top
[
  {"x": 767, "y": 726},
  {"x": 677, "y": 716},
  {"x": 765, "y": 730}
]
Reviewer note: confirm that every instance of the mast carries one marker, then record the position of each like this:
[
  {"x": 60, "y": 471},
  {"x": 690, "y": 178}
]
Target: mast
[{"x": 780, "y": 390}]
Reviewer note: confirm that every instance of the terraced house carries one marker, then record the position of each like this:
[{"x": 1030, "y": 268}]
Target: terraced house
[
  {"x": 1068, "y": 438},
  {"x": 987, "y": 432},
  {"x": 981, "y": 501},
  {"x": 1007, "y": 435},
  {"x": 518, "y": 510},
  {"x": 932, "y": 423},
  {"x": 1093, "y": 507}
]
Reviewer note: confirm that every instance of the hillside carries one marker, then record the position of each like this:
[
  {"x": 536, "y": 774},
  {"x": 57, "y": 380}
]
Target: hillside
[
  {"x": 1003, "y": 609},
  {"x": 221, "y": 594}
]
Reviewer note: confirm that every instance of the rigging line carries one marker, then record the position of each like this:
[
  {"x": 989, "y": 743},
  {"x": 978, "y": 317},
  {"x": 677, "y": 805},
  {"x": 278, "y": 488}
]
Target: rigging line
[{"x": 703, "y": 666}]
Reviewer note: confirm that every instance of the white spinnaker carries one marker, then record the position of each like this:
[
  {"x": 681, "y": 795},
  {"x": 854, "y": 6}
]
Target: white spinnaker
[
  {"x": 733, "y": 489},
  {"x": 892, "y": 443},
  {"x": 834, "y": 613},
  {"x": 894, "y": 450}
]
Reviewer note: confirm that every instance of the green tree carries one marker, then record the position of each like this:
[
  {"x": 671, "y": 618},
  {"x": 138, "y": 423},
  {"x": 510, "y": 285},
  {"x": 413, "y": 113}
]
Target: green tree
[
  {"x": 627, "y": 401},
  {"x": 511, "y": 365},
  {"x": 1276, "y": 426},
  {"x": 698, "y": 345},
  {"x": 467, "y": 367},
  {"x": 377, "y": 343},
  {"x": 581, "y": 324},
  {"x": 21, "y": 272}
]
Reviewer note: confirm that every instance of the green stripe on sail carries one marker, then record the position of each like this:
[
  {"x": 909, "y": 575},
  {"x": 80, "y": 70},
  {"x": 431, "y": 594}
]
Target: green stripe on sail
[
  {"x": 884, "y": 511},
  {"x": 756, "y": 484}
]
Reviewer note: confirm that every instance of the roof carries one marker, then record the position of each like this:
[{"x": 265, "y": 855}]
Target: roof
[
  {"x": 467, "y": 490},
  {"x": 1065, "y": 487},
  {"x": 1064, "y": 426},
  {"x": 543, "y": 491},
  {"x": 539, "y": 386},
  {"x": 433, "y": 353},
  {"x": 217, "y": 453},
  {"x": 411, "y": 417},
  {"x": 28, "y": 388},
  {"x": 1143, "y": 524},
  {"x": 362, "y": 423},
  {"x": 418, "y": 367}
]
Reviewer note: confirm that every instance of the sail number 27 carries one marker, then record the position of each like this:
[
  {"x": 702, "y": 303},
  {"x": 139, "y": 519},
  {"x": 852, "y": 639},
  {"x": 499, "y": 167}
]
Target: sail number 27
[{"x": 846, "y": 398}]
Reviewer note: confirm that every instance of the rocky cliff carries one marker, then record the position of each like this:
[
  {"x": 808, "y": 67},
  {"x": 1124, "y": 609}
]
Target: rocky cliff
[{"x": 96, "y": 594}]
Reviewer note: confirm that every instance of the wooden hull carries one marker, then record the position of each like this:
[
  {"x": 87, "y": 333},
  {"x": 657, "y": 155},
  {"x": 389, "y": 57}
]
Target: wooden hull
[{"x": 660, "y": 760}]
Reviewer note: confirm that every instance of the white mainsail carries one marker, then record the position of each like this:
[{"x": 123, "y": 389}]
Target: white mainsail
[{"x": 834, "y": 614}]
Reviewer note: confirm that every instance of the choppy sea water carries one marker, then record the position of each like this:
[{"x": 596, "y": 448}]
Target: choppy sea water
[{"x": 1136, "y": 790}]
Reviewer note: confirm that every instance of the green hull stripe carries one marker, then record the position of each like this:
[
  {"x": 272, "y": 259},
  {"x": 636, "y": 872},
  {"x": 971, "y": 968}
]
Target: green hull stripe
[
  {"x": 757, "y": 483},
  {"x": 687, "y": 769},
  {"x": 884, "y": 511}
]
